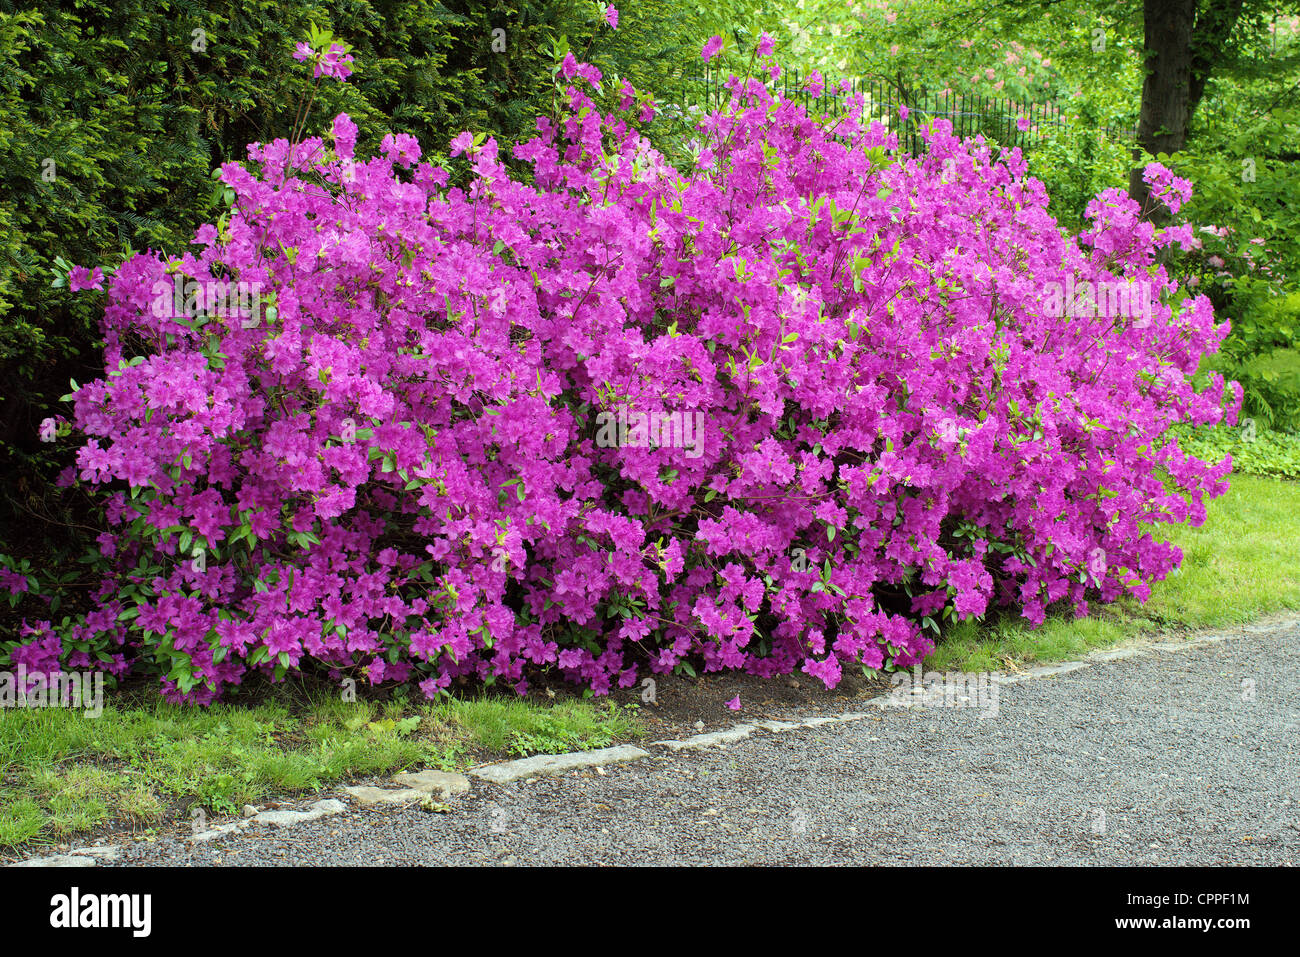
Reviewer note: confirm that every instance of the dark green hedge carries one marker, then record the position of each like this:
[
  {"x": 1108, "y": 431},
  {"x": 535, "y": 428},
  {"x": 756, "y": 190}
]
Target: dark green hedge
[{"x": 113, "y": 115}]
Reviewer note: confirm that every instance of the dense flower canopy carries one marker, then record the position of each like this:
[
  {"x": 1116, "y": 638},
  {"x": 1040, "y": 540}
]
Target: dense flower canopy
[{"x": 846, "y": 411}]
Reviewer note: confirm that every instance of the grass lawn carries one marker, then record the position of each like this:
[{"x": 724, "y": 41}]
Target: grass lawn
[
  {"x": 144, "y": 762},
  {"x": 1242, "y": 563}
]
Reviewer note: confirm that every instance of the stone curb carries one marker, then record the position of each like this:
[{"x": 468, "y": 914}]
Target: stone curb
[
  {"x": 416, "y": 786},
  {"x": 286, "y": 818},
  {"x": 711, "y": 739},
  {"x": 546, "y": 764},
  {"x": 88, "y": 856},
  {"x": 57, "y": 860},
  {"x": 314, "y": 812}
]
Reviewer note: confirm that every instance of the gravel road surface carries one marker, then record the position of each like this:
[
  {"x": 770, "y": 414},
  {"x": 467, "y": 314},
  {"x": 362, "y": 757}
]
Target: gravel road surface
[{"x": 1177, "y": 757}]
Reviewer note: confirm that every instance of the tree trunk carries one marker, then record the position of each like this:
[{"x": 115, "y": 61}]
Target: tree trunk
[{"x": 1166, "y": 92}]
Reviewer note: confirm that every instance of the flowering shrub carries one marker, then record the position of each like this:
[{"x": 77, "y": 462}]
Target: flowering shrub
[{"x": 387, "y": 460}]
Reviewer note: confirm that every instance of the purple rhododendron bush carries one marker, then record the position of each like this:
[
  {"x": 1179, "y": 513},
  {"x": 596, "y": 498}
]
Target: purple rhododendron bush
[{"x": 788, "y": 410}]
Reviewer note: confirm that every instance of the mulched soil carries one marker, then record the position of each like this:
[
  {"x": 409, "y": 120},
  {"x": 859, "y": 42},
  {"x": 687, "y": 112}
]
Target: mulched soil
[{"x": 681, "y": 702}]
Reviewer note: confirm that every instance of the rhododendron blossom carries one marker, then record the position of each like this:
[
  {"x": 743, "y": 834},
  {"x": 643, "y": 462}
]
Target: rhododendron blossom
[
  {"x": 391, "y": 467},
  {"x": 79, "y": 278}
]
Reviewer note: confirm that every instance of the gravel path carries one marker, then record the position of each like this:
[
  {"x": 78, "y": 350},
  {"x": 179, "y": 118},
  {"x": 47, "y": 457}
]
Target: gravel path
[{"x": 1190, "y": 762}]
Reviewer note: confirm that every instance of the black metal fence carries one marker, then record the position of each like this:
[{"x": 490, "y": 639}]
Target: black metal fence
[{"x": 996, "y": 118}]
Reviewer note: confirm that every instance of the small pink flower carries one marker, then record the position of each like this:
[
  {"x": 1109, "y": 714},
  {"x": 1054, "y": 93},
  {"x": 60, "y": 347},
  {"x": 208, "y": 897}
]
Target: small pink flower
[
  {"x": 335, "y": 63},
  {"x": 734, "y": 703},
  {"x": 15, "y": 583},
  {"x": 345, "y": 136},
  {"x": 1022, "y": 124},
  {"x": 611, "y": 16},
  {"x": 80, "y": 278},
  {"x": 461, "y": 143},
  {"x": 711, "y": 48}
]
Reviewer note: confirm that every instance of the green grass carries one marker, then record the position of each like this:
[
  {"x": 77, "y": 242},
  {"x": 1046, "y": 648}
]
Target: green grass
[
  {"x": 1243, "y": 562},
  {"x": 144, "y": 762},
  {"x": 520, "y": 727}
]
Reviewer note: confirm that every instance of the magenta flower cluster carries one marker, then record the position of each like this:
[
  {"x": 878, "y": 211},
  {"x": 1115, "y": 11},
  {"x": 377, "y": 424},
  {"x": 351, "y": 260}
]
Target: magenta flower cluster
[
  {"x": 333, "y": 61},
  {"x": 389, "y": 468}
]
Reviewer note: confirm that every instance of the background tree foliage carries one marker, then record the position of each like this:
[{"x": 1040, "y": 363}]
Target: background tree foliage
[{"x": 1234, "y": 135}]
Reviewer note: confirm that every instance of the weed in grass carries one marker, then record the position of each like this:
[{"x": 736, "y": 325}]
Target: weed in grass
[{"x": 21, "y": 819}]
